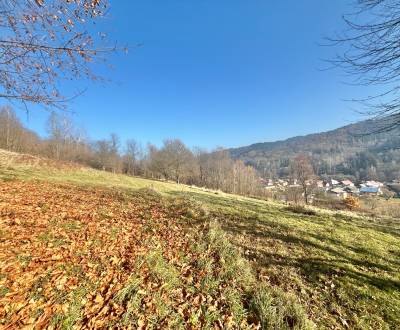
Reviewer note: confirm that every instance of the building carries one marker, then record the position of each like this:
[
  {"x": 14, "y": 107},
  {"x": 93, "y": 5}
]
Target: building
[
  {"x": 373, "y": 183},
  {"x": 347, "y": 183},
  {"x": 352, "y": 190},
  {"x": 338, "y": 192},
  {"x": 334, "y": 182},
  {"x": 370, "y": 191}
]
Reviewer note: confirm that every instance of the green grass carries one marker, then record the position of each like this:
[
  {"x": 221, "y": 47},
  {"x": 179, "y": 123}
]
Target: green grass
[
  {"x": 161, "y": 270},
  {"x": 341, "y": 269},
  {"x": 130, "y": 297},
  {"x": 278, "y": 310},
  {"x": 84, "y": 177}
]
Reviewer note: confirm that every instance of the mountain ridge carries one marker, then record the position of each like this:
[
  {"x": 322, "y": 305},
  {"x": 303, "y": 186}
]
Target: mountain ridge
[{"x": 352, "y": 150}]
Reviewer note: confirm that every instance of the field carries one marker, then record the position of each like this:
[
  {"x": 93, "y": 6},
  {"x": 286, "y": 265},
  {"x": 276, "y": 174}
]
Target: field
[{"x": 82, "y": 248}]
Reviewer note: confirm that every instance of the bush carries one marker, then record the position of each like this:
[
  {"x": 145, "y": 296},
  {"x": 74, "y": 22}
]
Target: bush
[{"x": 352, "y": 203}]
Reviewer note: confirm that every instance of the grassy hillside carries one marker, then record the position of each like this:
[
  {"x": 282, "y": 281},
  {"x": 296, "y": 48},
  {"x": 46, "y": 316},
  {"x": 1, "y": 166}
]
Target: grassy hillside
[{"x": 88, "y": 248}]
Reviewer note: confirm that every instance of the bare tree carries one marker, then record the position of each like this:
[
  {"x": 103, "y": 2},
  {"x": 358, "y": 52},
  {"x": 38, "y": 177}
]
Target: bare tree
[
  {"x": 45, "y": 42},
  {"x": 133, "y": 152},
  {"x": 60, "y": 130},
  {"x": 115, "y": 159},
  {"x": 302, "y": 172},
  {"x": 179, "y": 159},
  {"x": 201, "y": 158},
  {"x": 294, "y": 193},
  {"x": 13, "y": 135},
  {"x": 245, "y": 180},
  {"x": 156, "y": 166},
  {"x": 373, "y": 57},
  {"x": 106, "y": 154},
  {"x": 10, "y": 128}
]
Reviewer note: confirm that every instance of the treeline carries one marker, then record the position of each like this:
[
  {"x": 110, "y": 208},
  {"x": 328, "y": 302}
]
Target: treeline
[{"x": 172, "y": 161}]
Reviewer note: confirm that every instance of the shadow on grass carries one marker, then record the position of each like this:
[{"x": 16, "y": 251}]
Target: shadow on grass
[
  {"x": 381, "y": 225},
  {"x": 323, "y": 254}
]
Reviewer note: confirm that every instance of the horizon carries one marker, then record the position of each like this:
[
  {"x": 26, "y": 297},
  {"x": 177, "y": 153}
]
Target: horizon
[
  {"x": 144, "y": 143},
  {"x": 219, "y": 77}
]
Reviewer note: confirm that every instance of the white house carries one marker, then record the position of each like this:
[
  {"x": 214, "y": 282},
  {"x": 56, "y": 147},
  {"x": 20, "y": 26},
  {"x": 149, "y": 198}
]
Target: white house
[{"x": 334, "y": 182}]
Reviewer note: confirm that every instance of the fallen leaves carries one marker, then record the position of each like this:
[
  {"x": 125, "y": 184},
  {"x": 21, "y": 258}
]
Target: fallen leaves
[{"x": 66, "y": 253}]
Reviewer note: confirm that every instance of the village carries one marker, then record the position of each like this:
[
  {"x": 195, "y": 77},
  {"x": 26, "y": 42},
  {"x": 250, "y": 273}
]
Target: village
[{"x": 339, "y": 189}]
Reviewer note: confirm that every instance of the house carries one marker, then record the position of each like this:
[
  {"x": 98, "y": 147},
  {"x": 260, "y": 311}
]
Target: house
[
  {"x": 352, "y": 190},
  {"x": 338, "y": 192},
  {"x": 347, "y": 183},
  {"x": 370, "y": 191},
  {"x": 373, "y": 183},
  {"x": 334, "y": 182}
]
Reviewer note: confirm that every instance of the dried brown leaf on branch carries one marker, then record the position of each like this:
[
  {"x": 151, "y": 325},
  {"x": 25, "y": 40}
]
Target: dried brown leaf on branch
[{"x": 39, "y": 44}]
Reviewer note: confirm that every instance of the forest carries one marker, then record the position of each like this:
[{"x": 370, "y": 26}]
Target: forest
[{"x": 351, "y": 152}]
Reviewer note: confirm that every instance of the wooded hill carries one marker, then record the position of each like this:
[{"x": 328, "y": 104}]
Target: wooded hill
[{"x": 351, "y": 151}]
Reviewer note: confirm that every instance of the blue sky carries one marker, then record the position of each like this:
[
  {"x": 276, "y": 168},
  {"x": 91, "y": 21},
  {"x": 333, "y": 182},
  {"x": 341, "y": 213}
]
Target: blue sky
[{"x": 216, "y": 73}]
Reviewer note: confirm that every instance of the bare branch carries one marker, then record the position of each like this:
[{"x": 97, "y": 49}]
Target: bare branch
[{"x": 373, "y": 57}]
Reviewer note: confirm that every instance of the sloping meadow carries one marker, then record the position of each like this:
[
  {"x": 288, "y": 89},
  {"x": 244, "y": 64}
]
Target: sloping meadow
[{"x": 73, "y": 257}]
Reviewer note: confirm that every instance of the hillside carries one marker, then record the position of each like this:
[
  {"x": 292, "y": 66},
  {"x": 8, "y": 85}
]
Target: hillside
[
  {"x": 85, "y": 248},
  {"x": 346, "y": 151}
]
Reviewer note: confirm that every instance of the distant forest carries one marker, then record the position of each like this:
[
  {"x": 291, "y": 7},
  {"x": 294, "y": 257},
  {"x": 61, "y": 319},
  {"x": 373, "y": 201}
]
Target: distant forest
[{"x": 349, "y": 152}]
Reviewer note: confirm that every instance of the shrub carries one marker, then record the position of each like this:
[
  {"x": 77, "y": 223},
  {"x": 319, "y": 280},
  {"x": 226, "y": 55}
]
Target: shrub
[{"x": 352, "y": 203}]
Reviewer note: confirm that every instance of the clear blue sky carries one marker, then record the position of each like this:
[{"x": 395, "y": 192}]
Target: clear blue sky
[{"x": 226, "y": 73}]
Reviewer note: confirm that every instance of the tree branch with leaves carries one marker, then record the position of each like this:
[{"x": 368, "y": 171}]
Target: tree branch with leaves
[{"x": 44, "y": 43}]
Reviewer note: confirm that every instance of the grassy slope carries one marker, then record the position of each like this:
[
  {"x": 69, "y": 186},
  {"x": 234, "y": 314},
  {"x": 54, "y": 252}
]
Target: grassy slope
[{"x": 343, "y": 268}]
